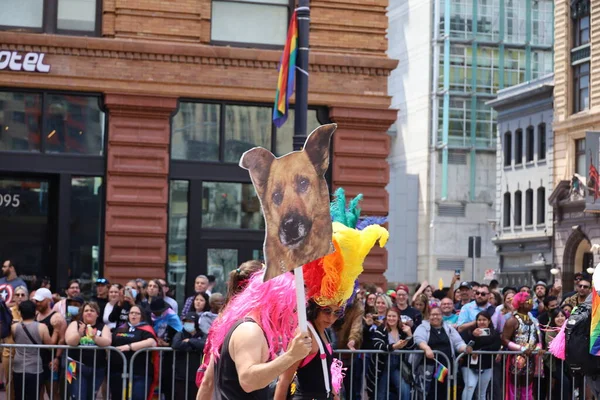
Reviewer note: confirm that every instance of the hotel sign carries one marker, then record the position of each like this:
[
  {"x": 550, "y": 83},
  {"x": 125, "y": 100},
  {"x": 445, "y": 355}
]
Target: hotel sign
[{"x": 28, "y": 62}]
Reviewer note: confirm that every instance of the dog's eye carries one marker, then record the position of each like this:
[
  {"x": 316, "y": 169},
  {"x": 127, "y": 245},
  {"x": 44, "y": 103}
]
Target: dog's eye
[
  {"x": 277, "y": 197},
  {"x": 303, "y": 184}
]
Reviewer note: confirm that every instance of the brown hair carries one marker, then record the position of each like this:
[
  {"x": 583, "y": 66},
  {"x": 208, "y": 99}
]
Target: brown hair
[
  {"x": 425, "y": 300},
  {"x": 238, "y": 278}
]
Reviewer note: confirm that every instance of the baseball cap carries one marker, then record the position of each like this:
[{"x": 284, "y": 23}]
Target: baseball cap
[
  {"x": 465, "y": 284},
  {"x": 403, "y": 287},
  {"x": 42, "y": 294},
  {"x": 102, "y": 281},
  {"x": 539, "y": 283},
  {"x": 191, "y": 316}
]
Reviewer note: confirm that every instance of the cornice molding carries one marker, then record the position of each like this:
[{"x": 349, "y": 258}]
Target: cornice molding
[{"x": 185, "y": 53}]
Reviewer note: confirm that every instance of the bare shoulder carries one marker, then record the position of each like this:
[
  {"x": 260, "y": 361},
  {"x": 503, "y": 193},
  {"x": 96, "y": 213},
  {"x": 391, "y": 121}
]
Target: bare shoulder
[{"x": 247, "y": 332}]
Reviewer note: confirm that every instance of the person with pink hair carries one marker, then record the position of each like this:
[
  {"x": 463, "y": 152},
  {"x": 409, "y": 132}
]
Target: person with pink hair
[
  {"x": 245, "y": 340},
  {"x": 521, "y": 333}
]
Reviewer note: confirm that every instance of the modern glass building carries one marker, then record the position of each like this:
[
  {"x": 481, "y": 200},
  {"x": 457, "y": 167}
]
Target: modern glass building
[
  {"x": 482, "y": 46},
  {"x": 443, "y": 148}
]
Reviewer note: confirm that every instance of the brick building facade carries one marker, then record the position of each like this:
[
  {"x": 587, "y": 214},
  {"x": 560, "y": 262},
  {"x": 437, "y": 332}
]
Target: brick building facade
[
  {"x": 576, "y": 110},
  {"x": 143, "y": 60}
]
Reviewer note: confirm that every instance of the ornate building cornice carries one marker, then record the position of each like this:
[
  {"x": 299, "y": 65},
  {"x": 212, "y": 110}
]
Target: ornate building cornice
[{"x": 189, "y": 53}]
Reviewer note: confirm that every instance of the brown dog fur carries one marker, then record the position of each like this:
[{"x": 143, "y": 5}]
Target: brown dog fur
[{"x": 295, "y": 201}]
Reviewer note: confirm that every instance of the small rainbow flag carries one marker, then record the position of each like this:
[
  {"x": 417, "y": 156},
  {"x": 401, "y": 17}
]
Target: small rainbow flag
[
  {"x": 287, "y": 74},
  {"x": 71, "y": 371},
  {"x": 441, "y": 372}
]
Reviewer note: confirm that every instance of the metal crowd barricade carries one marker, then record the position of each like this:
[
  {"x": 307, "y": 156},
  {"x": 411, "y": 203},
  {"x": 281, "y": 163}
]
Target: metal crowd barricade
[
  {"x": 68, "y": 380},
  {"x": 168, "y": 384},
  {"x": 356, "y": 390},
  {"x": 550, "y": 380}
]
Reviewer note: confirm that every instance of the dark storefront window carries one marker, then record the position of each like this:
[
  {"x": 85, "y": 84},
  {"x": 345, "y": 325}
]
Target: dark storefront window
[
  {"x": 231, "y": 206},
  {"x": 73, "y": 124},
  {"x": 24, "y": 224},
  {"x": 71, "y": 17},
  {"x": 215, "y": 220},
  {"x": 195, "y": 132},
  {"x": 87, "y": 210},
  {"x": 178, "y": 234},
  {"x": 20, "y": 121},
  {"x": 52, "y": 198},
  {"x": 246, "y": 127},
  {"x": 51, "y": 123}
]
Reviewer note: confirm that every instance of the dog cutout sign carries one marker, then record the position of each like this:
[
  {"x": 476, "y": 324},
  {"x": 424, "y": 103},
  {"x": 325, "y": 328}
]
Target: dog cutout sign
[{"x": 294, "y": 198}]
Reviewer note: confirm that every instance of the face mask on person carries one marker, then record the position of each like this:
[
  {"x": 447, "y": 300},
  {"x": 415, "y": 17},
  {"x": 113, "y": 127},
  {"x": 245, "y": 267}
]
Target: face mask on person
[
  {"x": 189, "y": 327},
  {"x": 134, "y": 293},
  {"x": 73, "y": 310}
]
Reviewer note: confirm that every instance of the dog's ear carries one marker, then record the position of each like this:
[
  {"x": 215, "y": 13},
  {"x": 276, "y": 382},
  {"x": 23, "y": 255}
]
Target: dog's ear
[
  {"x": 258, "y": 162},
  {"x": 317, "y": 147}
]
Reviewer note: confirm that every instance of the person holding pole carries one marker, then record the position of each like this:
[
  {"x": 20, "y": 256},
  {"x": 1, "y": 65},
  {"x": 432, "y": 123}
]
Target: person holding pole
[{"x": 245, "y": 340}]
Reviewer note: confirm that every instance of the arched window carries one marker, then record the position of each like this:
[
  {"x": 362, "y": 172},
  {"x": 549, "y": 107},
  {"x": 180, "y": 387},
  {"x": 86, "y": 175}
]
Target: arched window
[{"x": 530, "y": 149}]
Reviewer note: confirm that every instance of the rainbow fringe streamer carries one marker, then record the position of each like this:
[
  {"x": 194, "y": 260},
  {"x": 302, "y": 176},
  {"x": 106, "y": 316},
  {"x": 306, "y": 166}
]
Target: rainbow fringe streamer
[{"x": 595, "y": 323}]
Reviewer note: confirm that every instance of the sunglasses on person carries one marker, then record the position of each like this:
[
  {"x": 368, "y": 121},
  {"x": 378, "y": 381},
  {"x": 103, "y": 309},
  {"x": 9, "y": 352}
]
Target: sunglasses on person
[
  {"x": 584, "y": 286},
  {"x": 328, "y": 310},
  {"x": 478, "y": 293},
  {"x": 20, "y": 294}
]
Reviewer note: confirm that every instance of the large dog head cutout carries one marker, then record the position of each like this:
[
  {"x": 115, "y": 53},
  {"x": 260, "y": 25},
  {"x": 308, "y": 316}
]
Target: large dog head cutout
[{"x": 295, "y": 201}]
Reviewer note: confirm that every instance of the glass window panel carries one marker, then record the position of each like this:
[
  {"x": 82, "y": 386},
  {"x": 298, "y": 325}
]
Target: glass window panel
[
  {"x": 20, "y": 117},
  {"x": 178, "y": 216},
  {"x": 22, "y": 13},
  {"x": 258, "y": 254},
  {"x": 24, "y": 229},
  {"x": 195, "y": 132},
  {"x": 77, "y": 15},
  {"x": 249, "y": 23},
  {"x": 246, "y": 127},
  {"x": 220, "y": 263},
  {"x": 87, "y": 207},
  {"x": 231, "y": 205},
  {"x": 285, "y": 134},
  {"x": 73, "y": 124}
]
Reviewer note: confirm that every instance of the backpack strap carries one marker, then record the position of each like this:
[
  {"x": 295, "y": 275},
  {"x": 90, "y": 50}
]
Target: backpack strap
[
  {"x": 323, "y": 358},
  {"x": 28, "y": 334}
]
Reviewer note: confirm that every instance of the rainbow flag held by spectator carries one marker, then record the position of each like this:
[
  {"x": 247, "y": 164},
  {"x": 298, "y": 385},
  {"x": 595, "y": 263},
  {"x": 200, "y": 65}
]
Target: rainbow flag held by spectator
[
  {"x": 287, "y": 74},
  {"x": 441, "y": 372},
  {"x": 71, "y": 371}
]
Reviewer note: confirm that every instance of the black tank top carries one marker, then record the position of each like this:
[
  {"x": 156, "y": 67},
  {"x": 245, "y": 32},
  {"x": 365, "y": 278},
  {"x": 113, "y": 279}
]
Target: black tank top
[
  {"x": 46, "y": 321},
  {"x": 227, "y": 384},
  {"x": 46, "y": 355},
  {"x": 311, "y": 383}
]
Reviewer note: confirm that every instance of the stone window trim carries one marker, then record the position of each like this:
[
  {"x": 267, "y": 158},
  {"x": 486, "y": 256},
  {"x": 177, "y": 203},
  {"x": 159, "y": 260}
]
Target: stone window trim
[{"x": 507, "y": 149}]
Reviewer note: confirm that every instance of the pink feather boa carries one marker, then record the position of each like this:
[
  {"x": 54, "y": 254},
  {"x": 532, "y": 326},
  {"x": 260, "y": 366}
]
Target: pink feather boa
[
  {"x": 272, "y": 304},
  {"x": 557, "y": 345},
  {"x": 337, "y": 375}
]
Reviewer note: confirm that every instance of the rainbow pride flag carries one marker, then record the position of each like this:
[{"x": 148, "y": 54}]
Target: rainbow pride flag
[
  {"x": 71, "y": 371},
  {"x": 287, "y": 74},
  {"x": 441, "y": 372},
  {"x": 595, "y": 324}
]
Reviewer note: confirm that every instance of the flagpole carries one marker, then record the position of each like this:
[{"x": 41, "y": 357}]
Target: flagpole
[{"x": 301, "y": 110}]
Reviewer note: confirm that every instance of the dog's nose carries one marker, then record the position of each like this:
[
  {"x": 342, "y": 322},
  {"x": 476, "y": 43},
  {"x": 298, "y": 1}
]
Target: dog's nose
[{"x": 293, "y": 229}]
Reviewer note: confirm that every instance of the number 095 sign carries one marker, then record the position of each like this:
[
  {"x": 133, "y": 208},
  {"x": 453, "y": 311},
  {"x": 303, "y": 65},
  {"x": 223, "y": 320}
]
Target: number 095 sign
[{"x": 10, "y": 200}]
